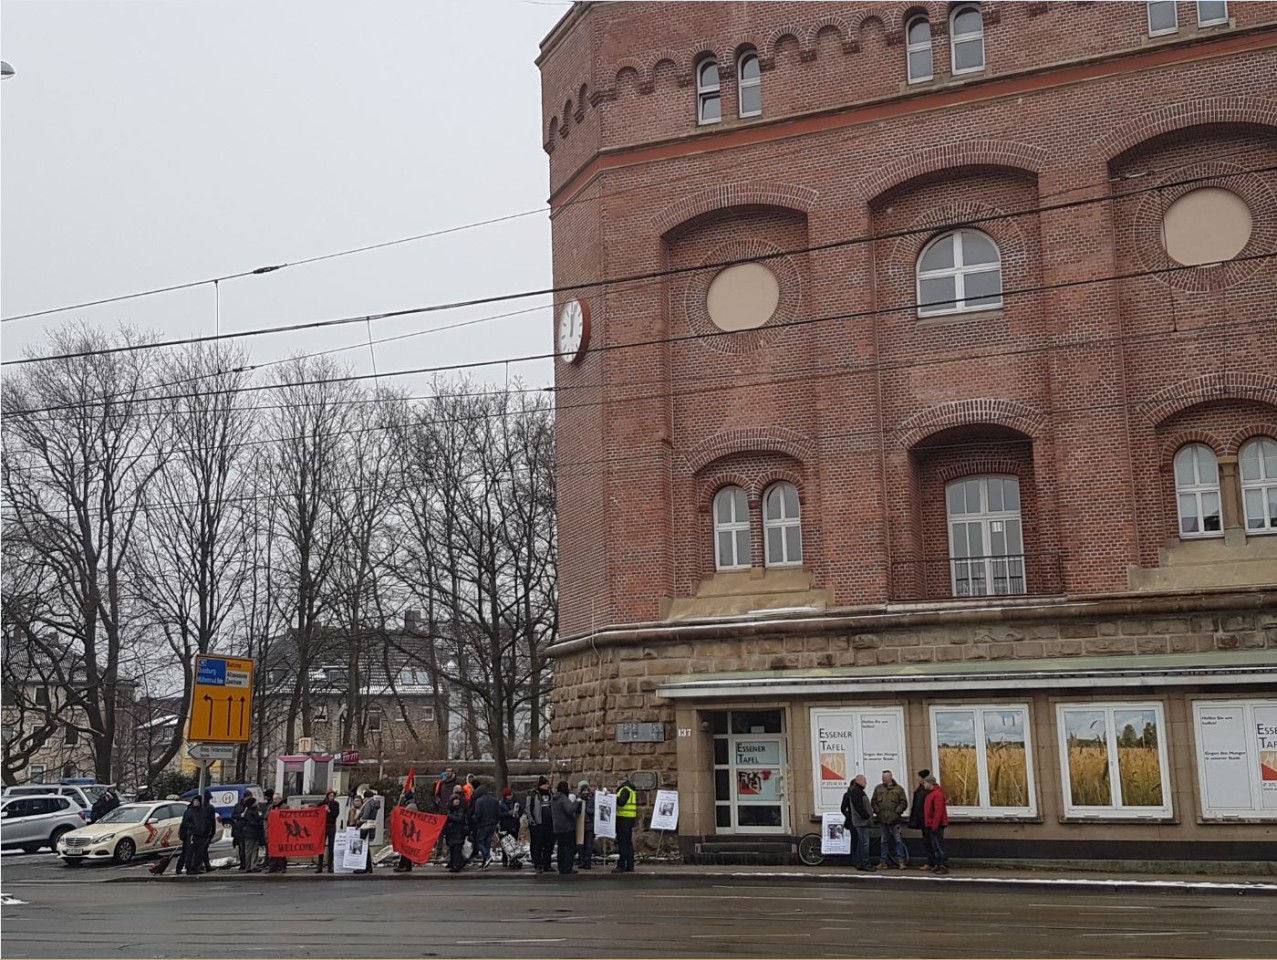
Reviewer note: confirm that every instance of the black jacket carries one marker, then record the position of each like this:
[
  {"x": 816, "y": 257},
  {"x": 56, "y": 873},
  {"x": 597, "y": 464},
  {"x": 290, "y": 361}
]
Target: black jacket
[
  {"x": 334, "y": 811},
  {"x": 915, "y": 811},
  {"x": 563, "y": 810},
  {"x": 485, "y": 812},
  {"x": 856, "y": 805},
  {"x": 237, "y": 822},
  {"x": 457, "y": 828},
  {"x": 194, "y": 825},
  {"x": 253, "y": 827},
  {"x": 210, "y": 816}
]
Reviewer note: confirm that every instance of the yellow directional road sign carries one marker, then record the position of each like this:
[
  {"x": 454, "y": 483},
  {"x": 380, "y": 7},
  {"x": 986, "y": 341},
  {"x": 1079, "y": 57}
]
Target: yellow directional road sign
[{"x": 222, "y": 702}]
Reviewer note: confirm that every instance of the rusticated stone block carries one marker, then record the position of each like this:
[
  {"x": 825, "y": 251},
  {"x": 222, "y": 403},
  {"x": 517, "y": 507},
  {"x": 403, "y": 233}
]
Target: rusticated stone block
[
  {"x": 866, "y": 658},
  {"x": 1183, "y": 643},
  {"x": 700, "y": 666},
  {"x": 916, "y": 654},
  {"x": 900, "y": 639},
  {"x": 1203, "y": 624},
  {"x": 771, "y": 645},
  {"x": 1072, "y": 630},
  {"x": 999, "y": 634},
  {"x": 1030, "y": 649},
  {"x": 865, "y": 641},
  {"x": 1107, "y": 628},
  {"x": 888, "y": 656},
  {"x": 1238, "y": 622},
  {"x": 1168, "y": 626},
  {"x": 1104, "y": 645},
  {"x": 816, "y": 645},
  {"x": 1152, "y": 644},
  {"x": 1134, "y": 628},
  {"x": 976, "y": 651},
  {"x": 783, "y": 663},
  {"x": 948, "y": 653},
  {"x": 1043, "y": 631},
  {"x": 633, "y": 669},
  {"x": 1001, "y": 651},
  {"x": 665, "y": 668}
]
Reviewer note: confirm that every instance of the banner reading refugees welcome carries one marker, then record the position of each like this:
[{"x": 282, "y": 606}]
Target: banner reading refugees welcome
[
  {"x": 413, "y": 834},
  {"x": 296, "y": 833}
]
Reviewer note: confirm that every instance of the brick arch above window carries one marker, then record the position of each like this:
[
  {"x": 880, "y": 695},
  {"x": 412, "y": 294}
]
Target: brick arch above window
[
  {"x": 964, "y": 153},
  {"x": 1173, "y": 443},
  {"x": 901, "y": 260},
  {"x": 715, "y": 482},
  {"x": 771, "y": 477},
  {"x": 1011, "y": 414},
  {"x": 790, "y": 31},
  {"x": 743, "y": 193},
  {"x": 1233, "y": 110},
  {"x": 1230, "y": 385},
  {"x": 1232, "y": 447},
  {"x": 748, "y": 440},
  {"x": 982, "y": 467}
]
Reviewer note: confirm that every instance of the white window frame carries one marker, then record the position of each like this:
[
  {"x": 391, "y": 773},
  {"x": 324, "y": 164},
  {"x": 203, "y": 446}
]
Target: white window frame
[
  {"x": 1008, "y": 566},
  {"x": 1115, "y": 809},
  {"x": 733, "y": 526},
  {"x": 955, "y": 40},
  {"x": 782, "y": 523},
  {"x": 912, "y": 48},
  {"x": 1253, "y": 737},
  {"x": 321, "y": 715},
  {"x": 742, "y": 84},
  {"x": 985, "y": 809},
  {"x": 959, "y": 271},
  {"x": 428, "y": 714},
  {"x": 1214, "y": 21},
  {"x": 35, "y": 772},
  {"x": 705, "y": 92},
  {"x": 1265, "y": 484},
  {"x": 376, "y": 721},
  {"x": 1164, "y": 31},
  {"x": 1197, "y": 489}
]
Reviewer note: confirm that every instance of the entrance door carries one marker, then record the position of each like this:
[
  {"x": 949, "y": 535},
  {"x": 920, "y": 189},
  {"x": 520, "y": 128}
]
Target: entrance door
[{"x": 749, "y": 772}]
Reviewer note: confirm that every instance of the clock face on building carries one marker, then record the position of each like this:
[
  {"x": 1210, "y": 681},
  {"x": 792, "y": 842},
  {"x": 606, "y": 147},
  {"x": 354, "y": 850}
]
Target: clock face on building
[{"x": 574, "y": 330}]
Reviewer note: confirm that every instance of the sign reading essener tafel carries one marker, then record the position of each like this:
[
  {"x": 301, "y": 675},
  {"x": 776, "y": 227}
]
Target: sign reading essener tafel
[{"x": 222, "y": 701}]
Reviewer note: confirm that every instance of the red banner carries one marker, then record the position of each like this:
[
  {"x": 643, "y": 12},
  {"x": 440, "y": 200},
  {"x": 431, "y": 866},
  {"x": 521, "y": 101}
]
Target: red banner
[
  {"x": 296, "y": 833},
  {"x": 414, "y": 834}
]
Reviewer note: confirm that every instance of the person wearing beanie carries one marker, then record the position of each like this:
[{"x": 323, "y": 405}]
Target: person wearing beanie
[
  {"x": 936, "y": 817},
  {"x": 916, "y": 812},
  {"x": 540, "y": 824},
  {"x": 585, "y": 837},
  {"x": 563, "y": 811}
]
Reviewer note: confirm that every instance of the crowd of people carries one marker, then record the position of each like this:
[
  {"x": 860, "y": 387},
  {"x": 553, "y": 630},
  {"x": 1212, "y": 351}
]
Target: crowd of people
[{"x": 883, "y": 812}]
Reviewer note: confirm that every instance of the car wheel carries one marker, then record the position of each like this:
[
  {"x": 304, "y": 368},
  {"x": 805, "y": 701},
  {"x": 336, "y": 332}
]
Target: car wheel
[
  {"x": 31, "y": 847},
  {"x": 57, "y": 835},
  {"x": 124, "y": 850},
  {"x": 73, "y": 863}
]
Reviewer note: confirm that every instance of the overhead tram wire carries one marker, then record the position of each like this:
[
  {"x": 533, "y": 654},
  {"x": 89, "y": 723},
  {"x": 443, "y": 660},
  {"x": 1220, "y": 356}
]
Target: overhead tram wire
[
  {"x": 656, "y": 341},
  {"x": 458, "y": 228},
  {"x": 648, "y": 276}
]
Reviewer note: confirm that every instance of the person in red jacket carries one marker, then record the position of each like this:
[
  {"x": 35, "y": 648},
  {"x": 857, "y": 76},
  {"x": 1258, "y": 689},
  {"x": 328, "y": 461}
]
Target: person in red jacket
[{"x": 935, "y": 816}]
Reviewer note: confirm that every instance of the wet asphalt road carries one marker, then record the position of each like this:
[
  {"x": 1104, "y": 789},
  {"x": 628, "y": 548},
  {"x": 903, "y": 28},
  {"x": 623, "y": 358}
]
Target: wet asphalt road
[{"x": 73, "y": 913}]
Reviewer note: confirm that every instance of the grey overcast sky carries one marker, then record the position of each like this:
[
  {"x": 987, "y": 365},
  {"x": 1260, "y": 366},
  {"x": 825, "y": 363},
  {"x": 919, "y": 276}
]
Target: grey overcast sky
[{"x": 153, "y": 142}]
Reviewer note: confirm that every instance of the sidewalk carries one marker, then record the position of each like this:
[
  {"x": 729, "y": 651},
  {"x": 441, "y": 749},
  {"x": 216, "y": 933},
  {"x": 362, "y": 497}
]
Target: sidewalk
[{"x": 1127, "y": 881}]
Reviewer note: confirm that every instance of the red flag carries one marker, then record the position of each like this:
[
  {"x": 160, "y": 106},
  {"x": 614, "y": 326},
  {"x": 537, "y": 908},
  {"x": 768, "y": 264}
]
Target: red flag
[
  {"x": 296, "y": 833},
  {"x": 414, "y": 834},
  {"x": 412, "y": 778}
]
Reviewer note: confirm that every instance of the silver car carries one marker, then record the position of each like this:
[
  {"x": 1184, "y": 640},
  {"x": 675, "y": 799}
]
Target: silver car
[
  {"x": 85, "y": 795},
  {"x": 34, "y": 821}
]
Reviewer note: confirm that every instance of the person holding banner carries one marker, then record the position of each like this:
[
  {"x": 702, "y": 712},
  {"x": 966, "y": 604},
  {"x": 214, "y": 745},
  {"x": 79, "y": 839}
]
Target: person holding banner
[
  {"x": 333, "y": 810},
  {"x": 275, "y": 828},
  {"x": 406, "y": 802}
]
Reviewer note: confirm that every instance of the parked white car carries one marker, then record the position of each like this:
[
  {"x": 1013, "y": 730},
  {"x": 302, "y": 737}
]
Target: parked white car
[
  {"x": 32, "y": 821},
  {"x": 85, "y": 795},
  {"x": 130, "y": 830}
]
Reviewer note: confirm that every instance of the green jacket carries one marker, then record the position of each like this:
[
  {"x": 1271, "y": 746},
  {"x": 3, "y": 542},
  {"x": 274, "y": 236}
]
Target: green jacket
[{"x": 889, "y": 803}]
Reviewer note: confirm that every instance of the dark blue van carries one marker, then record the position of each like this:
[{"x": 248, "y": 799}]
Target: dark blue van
[{"x": 227, "y": 795}]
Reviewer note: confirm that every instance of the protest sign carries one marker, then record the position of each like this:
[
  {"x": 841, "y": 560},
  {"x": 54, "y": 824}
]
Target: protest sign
[
  {"x": 296, "y": 832},
  {"x": 414, "y": 834},
  {"x": 605, "y": 815},
  {"x": 665, "y": 815},
  {"x": 834, "y": 836},
  {"x": 341, "y": 844}
]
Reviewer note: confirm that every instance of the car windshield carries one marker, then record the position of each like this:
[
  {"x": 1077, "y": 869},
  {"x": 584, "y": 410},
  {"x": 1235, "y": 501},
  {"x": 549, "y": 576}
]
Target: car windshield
[
  {"x": 93, "y": 793},
  {"x": 124, "y": 815}
]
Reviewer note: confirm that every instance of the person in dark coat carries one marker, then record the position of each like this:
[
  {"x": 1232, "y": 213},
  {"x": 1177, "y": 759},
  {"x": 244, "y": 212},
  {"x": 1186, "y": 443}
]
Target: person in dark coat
[
  {"x": 455, "y": 831},
  {"x": 194, "y": 835},
  {"x": 858, "y": 815},
  {"x": 330, "y": 829},
  {"x": 540, "y": 826},
  {"x": 917, "y": 820},
  {"x": 103, "y": 805},
  {"x": 237, "y": 830},
  {"x": 563, "y": 810},
  {"x": 274, "y": 864},
  {"x": 253, "y": 834},
  {"x": 210, "y": 831},
  {"x": 586, "y": 853},
  {"x": 485, "y": 814},
  {"x": 144, "y": 795}
]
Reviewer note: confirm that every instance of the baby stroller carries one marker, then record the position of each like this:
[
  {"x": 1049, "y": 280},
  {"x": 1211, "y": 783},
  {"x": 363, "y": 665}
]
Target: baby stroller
[{"x": 514, "y": 853}]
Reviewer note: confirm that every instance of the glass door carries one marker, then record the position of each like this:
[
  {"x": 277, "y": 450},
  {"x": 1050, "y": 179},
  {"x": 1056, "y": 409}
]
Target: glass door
[{"x": 749, "y": 774}]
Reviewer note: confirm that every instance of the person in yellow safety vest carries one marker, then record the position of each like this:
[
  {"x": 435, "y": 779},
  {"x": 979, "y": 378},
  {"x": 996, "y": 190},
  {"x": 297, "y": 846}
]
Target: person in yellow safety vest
[{"x": 626, "y": 816}]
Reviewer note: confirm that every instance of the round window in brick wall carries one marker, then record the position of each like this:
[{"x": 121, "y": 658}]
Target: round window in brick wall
[
  {"x": 743, "y": 297},
  {"x": 1209, "y": 225}
]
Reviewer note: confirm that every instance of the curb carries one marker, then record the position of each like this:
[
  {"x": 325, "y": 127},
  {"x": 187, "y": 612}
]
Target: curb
[{"x": 920, "y": 883}]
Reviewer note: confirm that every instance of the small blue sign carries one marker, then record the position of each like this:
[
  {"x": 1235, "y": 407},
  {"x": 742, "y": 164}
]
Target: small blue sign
[{"x": 212, "y": 673}]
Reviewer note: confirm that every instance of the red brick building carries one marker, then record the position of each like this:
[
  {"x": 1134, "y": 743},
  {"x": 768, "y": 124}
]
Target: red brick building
[{"x": 928, "y": 417}]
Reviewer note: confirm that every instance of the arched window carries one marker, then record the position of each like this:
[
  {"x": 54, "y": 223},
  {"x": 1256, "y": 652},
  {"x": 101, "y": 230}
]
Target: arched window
[
  {"x": 966, "y": 39},
  {"x": 709, "y": 102},
  {"x": 986, "y": 544},
  {"x": 1258, "y": 462},
  {"x": 749, "y": 81},
  {"x": 1197, "y": 491},
  {"x": 731, "y": 529},
  {"x": 959, "y": 272},
  {"x": 782, "y": 526},
  {"x": 918, "y": 49}
]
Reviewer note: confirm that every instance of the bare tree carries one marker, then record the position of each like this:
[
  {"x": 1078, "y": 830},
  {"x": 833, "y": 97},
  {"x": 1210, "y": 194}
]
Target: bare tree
[
  {"x": 79, "y": 458},
  {"x": 194, "y": 562}
]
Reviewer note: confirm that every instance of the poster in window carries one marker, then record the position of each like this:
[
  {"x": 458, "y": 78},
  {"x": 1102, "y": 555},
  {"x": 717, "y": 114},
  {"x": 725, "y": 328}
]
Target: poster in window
[
  {"x": 1088, "y": 759},
  {"x": 850, "y": 741},
  {"x": 1139, "y": 760},
  {"x": 958, "y": 762},
  {"x": 1115, "y": 763},
  {"x": 1237, "y": 758},
  {"x": 981, "y": 755}
]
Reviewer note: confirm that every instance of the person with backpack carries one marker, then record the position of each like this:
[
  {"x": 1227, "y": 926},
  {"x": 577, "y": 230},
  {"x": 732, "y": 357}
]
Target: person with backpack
[{"x": 540, "y": 824}]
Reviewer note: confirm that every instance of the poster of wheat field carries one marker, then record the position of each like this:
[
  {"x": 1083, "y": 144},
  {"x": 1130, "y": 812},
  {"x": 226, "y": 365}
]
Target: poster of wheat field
[
  {"x": 960, "y": 736},
  {"x": 1095, "y": 738}
]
